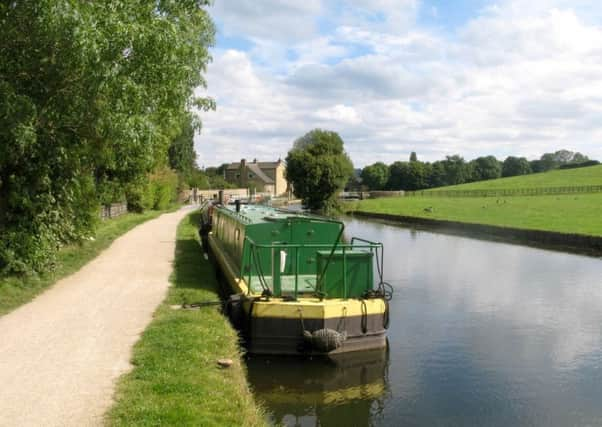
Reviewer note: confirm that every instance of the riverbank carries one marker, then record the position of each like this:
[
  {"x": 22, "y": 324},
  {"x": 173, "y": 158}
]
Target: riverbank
[
  {"x": 589, "y": 245},
  {"x": 176, "y": 379},
  {"x": 18, "y": 290},
  {"x": 566, "y": 222}
]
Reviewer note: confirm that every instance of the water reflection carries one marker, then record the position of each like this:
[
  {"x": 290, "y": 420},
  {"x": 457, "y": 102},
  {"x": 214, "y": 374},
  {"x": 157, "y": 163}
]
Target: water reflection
[
  {"x": 344, "y": 390},
  {"x": 482, "y": 333}
]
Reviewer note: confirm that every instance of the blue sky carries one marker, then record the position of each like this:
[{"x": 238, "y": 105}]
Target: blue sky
[
  {"x": 449, "y": 15},
  {"x": 437, "y": 77}
]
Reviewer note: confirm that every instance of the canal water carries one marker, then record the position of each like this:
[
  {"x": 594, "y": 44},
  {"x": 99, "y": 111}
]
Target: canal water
[{"x": 482, "y": 333}]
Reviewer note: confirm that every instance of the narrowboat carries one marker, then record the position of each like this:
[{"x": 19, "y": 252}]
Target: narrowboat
[{"x": 293, "y": 284}]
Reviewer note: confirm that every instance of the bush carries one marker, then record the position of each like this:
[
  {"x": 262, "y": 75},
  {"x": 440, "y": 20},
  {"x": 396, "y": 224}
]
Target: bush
[
  {"x": 162, "y": 189},
  {"x": 83, "y": 116}
]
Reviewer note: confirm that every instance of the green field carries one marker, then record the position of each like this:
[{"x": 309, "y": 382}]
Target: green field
[
  {"x": 176, "y": 380},
  {"x": 17, "y": 290},
  {"x": 591, "y": 175},
  {"x": 567, "y": 213}
]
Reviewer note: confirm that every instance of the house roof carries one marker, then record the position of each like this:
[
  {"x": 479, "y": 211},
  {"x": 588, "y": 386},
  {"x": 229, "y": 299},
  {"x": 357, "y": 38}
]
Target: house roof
[
  {"x": 262, "y": 165},
  {"x": 254, "y": 167}
]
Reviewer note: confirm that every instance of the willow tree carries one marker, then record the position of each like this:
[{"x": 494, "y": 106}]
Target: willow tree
[{"x": 91, "y": 94}]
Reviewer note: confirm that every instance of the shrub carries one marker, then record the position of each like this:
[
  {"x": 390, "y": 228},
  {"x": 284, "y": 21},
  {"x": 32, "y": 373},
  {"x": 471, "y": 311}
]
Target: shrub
[{"x": 162, "y": 189}]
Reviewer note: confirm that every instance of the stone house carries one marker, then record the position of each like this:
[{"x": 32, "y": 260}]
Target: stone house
[{"x": 261, "y": 177}]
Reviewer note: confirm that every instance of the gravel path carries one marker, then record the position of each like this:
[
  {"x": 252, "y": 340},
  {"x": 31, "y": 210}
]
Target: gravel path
[{"x": 61, "y": 354}]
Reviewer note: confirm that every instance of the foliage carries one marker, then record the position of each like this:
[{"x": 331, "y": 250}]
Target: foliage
[
  {"x": 217, "y": 171},
  {"x": 182, "y": 157},
  {"x": 215, "y": 177},
  {"x": 219, "y": 182},
  {"x": 91, "y": 94},
  {"x": 557, "y": 159},
  {"x": 397, "y": 173},
  {"x": 407, "y": 176},
  {"x": 162, "y": 190},
  {"x": 317, "y": 168},
  {"x": 198, "y": 179},
  {"x": 513, "y": 166},
  {"x": 375, "y": 176},
  {"x": 355, "y": 181},
  {"x": 579, "y": 165},
  {"x": 437, "y": 176},
  {"x": 455, "y": 169},
  {"x": 483, "y": 168}
]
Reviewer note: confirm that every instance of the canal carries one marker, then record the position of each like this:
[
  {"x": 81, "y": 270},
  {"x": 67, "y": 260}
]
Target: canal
[{"x": 482, "y": 333}]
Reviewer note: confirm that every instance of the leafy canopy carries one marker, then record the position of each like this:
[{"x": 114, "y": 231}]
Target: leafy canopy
[
  {"x": 91, "y": 95},
  {"x": 513, "y": 166},
  {"x": 318, "y": 168},
  {"x": 375, "y": 176}
]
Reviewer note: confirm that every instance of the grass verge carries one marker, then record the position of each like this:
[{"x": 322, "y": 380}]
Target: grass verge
[
  {"x": 176, "y": 380},
  {"x": 17, "y": 290},
  {"x": 578, "y": 214}
]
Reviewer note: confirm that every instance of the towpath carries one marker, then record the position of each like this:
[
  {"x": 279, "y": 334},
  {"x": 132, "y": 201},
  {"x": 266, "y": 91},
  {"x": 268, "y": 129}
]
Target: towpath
[{"x": 61, "y": 354}]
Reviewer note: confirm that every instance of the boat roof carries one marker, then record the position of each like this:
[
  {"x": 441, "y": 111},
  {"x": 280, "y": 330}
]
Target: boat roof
[{"x": 256, "y": 214}]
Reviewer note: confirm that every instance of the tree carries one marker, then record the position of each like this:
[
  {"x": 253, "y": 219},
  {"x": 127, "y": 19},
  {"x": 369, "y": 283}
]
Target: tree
[
  {"x": 398, "y": 172},
  {"x": 198, "y": 179},
  {"x": 216, "y": 171},
  {"x": 437, "y": 176},
  {"x": 375, "y": 176},
  {"x": 554, "y": 160},
  {"x": 483, "y": 168},
  {"x": 318, "y": 167},
  {"x": 355, "y": 181},
  {"x": 91, "y": 95},
  {"x": 513, "y": 166},
  {"x": 537, "y": 166},
  {"x": 408, "y": 176},
  {"x": 182, "y": 157},
  {"x": 456, "y": 171}
]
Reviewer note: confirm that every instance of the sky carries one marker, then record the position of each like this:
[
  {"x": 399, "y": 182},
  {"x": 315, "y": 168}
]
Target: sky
[{"x": 467, "y": 77}]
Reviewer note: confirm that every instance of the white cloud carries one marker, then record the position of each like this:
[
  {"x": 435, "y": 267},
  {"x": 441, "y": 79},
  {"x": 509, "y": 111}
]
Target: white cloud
[
  {"x": 507, "y": 83},
  {"x": 282, "y": 20},
  {"x": 340, "y": 114}
]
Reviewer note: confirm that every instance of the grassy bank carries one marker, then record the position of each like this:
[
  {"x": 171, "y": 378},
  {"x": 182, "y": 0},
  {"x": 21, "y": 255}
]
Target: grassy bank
[
  {"x": 579, "y": 214},
  {"x": 591, "y": 175},
  {"x": 176, "y": 380},
  {"x": 566, "y": 213},
  {"x": 17, "y": 290}
]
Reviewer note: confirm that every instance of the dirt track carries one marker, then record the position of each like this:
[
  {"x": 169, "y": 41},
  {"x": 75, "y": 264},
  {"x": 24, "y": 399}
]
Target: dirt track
[{"x": 61, "y": 354}]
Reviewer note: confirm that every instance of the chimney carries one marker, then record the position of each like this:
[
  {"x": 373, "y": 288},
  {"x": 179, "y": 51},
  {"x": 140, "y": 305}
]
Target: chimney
[{"x": 243, "y": 163}]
